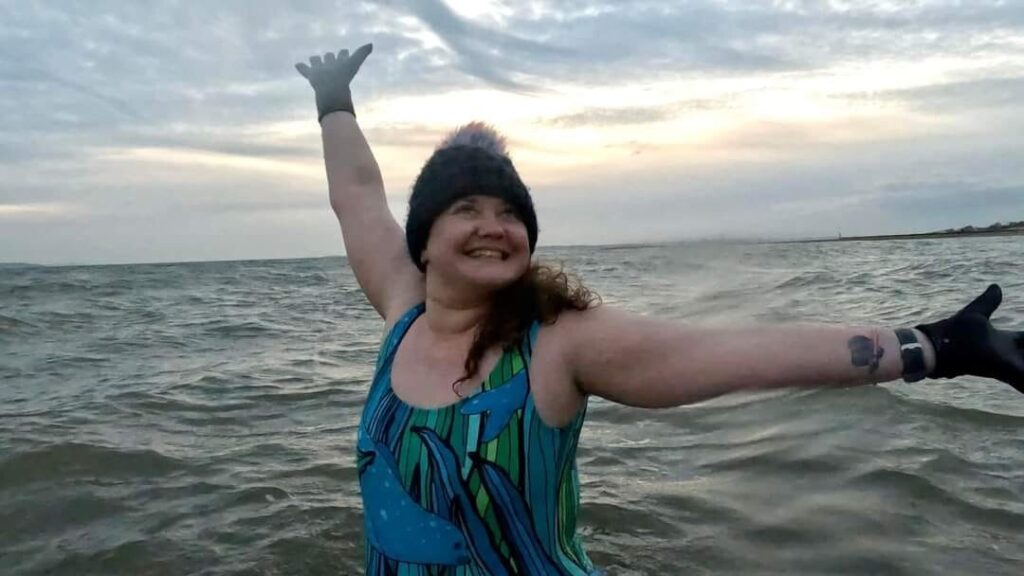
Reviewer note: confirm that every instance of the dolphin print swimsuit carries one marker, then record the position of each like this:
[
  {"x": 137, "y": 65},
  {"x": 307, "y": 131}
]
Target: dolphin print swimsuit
[{"x": 480, "y": 487}]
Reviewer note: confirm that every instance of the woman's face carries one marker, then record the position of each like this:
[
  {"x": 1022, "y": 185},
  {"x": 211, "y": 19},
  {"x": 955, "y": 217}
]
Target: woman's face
[{"x": 480, "y": 240}]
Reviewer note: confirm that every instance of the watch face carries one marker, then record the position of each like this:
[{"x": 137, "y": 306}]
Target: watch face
[{"x": 912, "y": 355}]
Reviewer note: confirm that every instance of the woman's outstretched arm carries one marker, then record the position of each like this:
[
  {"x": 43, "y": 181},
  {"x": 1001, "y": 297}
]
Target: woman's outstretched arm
[
  {"x": 374, "y": 242},
  {"x": 647, "y": 362}
]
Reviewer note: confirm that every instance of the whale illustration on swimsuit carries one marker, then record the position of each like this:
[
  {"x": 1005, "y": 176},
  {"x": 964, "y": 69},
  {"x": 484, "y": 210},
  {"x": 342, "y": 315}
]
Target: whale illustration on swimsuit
[
  {"x": 500, "y": 403},
  {"x": 455, "y": 494},
  {"x": 514, "y": 516},
  {"x": 400, "y": 528}
]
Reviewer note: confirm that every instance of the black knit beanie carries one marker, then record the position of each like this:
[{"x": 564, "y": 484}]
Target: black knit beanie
[{"x": 471, "y": 160}]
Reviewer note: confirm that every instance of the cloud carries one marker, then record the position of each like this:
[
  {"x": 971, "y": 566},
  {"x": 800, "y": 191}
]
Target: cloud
[
  {"x": 487, "y": 54},
  {"x": 612, "y": 116},
  {"x": 999, "y": 93},
  {"x": 39, "y": 211},
  {"x": 705, "y": 107}
]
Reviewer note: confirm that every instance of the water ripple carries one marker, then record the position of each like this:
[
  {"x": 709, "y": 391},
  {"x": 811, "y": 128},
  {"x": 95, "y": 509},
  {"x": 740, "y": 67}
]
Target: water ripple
[{"x": 200, "y": 418}]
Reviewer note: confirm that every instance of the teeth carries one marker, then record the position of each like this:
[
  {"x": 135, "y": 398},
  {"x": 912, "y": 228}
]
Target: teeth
[{"x": 486, "y": 254}]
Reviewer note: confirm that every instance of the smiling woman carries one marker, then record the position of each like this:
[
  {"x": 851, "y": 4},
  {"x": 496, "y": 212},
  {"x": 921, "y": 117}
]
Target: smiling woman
[
  {"x": 469, "y": 197},
  {"x": 467, "y": 443},
  {"x": 456, "y": 469}
]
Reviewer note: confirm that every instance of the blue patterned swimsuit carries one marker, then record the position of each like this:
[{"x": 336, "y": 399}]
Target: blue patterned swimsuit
[{"x": 480, "y": 487}]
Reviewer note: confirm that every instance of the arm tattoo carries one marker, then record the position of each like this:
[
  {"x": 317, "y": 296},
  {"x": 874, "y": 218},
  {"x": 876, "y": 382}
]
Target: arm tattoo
[{"x": 865, "y": 352}]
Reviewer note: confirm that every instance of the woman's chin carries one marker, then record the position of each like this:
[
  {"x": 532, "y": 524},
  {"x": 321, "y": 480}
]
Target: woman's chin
[{"x": 493, "y": 274}]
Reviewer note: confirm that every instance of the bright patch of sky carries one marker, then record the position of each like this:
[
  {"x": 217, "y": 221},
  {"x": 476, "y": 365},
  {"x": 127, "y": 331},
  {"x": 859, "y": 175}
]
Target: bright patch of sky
[{"x": 152, "y": 131}]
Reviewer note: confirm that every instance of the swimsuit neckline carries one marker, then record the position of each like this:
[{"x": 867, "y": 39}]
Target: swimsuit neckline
[{"x": 415, "y": 313}]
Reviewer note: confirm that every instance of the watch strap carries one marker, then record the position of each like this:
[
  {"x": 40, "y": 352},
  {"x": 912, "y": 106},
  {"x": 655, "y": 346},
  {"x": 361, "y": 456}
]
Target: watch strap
[{"x": 912, "y": 355}]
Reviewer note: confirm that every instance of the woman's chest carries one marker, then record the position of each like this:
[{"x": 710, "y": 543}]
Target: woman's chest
[{"x": 425, "y": 378}]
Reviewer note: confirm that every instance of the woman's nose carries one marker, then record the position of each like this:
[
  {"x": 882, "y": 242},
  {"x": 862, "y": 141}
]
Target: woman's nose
[{"x": 490, "y": 225}]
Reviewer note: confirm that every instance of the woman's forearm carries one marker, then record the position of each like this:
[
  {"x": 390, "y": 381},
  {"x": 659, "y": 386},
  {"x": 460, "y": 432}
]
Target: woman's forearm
[
  {"x": 353, "y": 176},
  {"x": 650, "y": 362},
  {"x": 730, "y": 360},
  {"x": 799, "y": 355}
]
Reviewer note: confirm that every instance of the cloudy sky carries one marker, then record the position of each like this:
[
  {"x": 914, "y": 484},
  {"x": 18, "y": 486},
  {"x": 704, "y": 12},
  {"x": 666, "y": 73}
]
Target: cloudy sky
[{"x": 175, "y": 131}]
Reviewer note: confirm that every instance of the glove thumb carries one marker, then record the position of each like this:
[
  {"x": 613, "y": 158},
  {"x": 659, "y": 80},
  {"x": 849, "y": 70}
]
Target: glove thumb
[{"x": 987, "y": 303}]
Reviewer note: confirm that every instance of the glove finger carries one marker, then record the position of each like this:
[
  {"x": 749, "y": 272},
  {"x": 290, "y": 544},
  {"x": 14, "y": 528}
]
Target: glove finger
[
  {"x": 315, "y": 61},
  {"x": 329, "y": 58},
  {"x": 343, "y": 54},
  {"x": 357, "y": 58},
  {"x": 987, "y": 303},
  {"x": 304, "y": 69}
]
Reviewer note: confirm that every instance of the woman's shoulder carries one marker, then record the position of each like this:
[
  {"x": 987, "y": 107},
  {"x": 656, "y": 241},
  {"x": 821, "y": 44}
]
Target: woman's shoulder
[
  {"x": 398, "y": 321},
  {"x": 570, "y": 321},
  {"x": 557, "y": 335},
  {"x": 557, "y": 396},
  {"x": 574, "y": 333}
]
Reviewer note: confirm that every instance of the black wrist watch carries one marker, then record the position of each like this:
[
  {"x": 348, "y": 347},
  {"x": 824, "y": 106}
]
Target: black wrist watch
[{"x": 912, "y": 354}]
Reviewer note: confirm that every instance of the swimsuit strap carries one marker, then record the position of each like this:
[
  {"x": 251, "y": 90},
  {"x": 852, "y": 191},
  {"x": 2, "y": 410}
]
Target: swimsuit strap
[{"x": 389, "y": 344}]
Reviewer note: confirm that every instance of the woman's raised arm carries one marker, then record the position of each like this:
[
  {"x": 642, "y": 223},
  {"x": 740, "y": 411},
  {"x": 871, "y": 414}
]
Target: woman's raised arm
[
  {"x": 647, "y": 362},
  {"x": 374, "y": 242}
]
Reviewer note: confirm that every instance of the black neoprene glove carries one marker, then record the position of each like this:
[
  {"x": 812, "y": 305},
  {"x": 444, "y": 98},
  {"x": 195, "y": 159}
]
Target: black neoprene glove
[
  {"x": 330, "y": 78},
  {"x": 968, "y": 344}
]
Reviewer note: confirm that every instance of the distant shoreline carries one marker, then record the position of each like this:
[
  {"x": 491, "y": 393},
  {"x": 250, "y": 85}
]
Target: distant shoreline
[{"x": 924, "y": 236}]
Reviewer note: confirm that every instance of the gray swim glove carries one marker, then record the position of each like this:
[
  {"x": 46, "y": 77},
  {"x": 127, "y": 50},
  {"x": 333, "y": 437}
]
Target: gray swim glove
[
  {"x": 967, "y": 343},
  {"x": 330, "y": 77}
]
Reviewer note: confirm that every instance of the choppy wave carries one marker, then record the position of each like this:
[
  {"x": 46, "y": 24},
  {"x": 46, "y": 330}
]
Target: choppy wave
[
  {"x": 61, "y": 462},
  {"x": 10, "y": 324},
  {"x": 200, "y": 418}
]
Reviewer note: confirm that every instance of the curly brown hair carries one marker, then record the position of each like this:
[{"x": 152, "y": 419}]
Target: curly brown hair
[{"x": 542, "y": 293}]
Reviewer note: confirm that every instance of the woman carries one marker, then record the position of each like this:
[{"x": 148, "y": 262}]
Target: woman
[{"x": 467, "y": 442}]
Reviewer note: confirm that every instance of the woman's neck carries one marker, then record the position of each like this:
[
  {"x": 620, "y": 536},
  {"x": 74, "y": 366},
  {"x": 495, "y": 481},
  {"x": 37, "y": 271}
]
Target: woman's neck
[{"x": 454, "y": 321}]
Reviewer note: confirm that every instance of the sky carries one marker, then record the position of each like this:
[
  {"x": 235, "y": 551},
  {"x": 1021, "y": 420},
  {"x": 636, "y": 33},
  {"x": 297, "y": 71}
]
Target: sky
[{"x": 158, "y": 131}]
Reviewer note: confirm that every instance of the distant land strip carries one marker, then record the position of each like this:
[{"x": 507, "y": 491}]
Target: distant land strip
[{"x": 1012, "y": 229}]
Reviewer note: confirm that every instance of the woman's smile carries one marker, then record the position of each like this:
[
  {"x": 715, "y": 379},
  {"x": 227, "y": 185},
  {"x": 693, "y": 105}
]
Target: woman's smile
[{"x": 487, "y": 254}]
